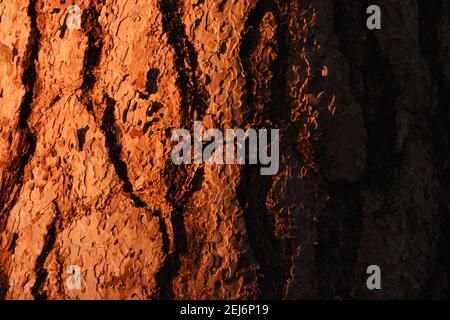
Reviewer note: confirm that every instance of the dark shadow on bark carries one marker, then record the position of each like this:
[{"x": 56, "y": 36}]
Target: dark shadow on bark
[
  {"x": 182, "y": 182},
  {"x": 373, "y": 85},
  {"x": 49, "y": 242},
  {"x": 430, "y": 14}
]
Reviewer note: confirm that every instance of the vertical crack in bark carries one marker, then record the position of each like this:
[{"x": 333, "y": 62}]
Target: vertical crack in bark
[
  {"x": 108, "y": 123},
  {"x": 271, "y": 253},
  {"x": 279, "y": 107},
  {"x": 4, "y": 283},
  {"x": 59, "y": 275},
  {"x": 279, "y": 110},
  {"x": 10, "y": 190},
  {"x": 339, "y": 234},
  {"x": 29, "y": 66},
  {"x": 430, "y": 14},
  {"x": 93, "y": 52},
  {"x": 178, "y": 199},
  {"x": 115, "y": 150},
  {"x": 250, "y": 39},
  {"x": 194, "y": 103},
  {"x": 27, "y": 144},
  {"x": 340, "y": 226},
  {"x": 49, "y": 242}
]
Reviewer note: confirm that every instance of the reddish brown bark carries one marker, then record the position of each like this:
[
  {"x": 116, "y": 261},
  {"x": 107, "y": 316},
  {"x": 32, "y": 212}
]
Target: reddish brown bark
[{"x": 86, "y": 176}]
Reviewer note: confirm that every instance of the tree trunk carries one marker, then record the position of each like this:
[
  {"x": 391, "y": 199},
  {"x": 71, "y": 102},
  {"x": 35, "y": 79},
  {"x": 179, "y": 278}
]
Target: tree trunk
[{"x": 86, "y": 118}]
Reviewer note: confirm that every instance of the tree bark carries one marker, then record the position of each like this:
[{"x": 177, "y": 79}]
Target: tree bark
[{"x": 86, "y": 176}]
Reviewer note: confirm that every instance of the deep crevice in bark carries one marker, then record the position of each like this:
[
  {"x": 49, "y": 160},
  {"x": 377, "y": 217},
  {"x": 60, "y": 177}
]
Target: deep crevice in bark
[
  {"x": 93, "y": 31},
  {"x": 194, "y": 95},
  {"x": 27, "y": 142},
  {"x": 91, "y": 62},
  {"x": 270, "y": 252},
  {"x": 250, "y": 39},
  {"x": 29, "y": 66},
  {"x": 108, "y": 122},
  {"x": 92, "y": 55},
  {"x": 49, "y": 242},
  {"x": 178, "y": 199},
  {"x": 4, "y": 283}
]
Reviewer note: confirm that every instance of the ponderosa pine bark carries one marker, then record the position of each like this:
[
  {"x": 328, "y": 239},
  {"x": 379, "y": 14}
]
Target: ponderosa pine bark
[{"x": 86, "y": 177}]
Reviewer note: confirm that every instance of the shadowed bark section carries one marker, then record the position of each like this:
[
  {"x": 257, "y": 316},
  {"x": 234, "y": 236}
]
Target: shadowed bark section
[
  {"x": 430, "y": 16},
  {"x": 93, "y": 30},
  {"x": 369, "y": 185},
  {"x": 339, "y": 233},
  {"x": 90, "y": 65},
  {"x": 194, "y": 95},
  {"x": 375, "y": 89},
  {"x": 49, "y": 243},
  {"x": 27, "y": 140}
]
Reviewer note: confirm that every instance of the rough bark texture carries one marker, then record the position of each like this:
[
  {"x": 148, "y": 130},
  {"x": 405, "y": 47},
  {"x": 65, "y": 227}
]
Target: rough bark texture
[{"x": 86, "y": 178}]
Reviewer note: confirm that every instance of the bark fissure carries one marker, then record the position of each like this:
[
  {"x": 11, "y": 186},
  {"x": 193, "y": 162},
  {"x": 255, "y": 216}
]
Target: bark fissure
[
  {"x": 114, "y": 152},
  {"x": 194, "y": 103},
  {"x": 27, "y": 144},
  {"x": 250, "y": 39},
  {"x": 4, "y": 283},
  {"x": 271, "y": 253},
  {"x": 172, "y": 264},
  {"x": 93, "y": 30},
  {"x": 194, "y": 95},
  {"x": 108, "y": 126},
  {"x": 10, "y": 190},
  {"x": 368, "y": 185}
]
